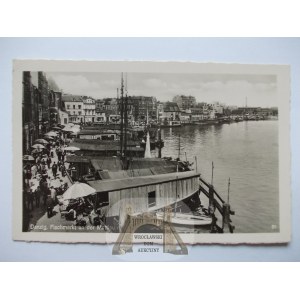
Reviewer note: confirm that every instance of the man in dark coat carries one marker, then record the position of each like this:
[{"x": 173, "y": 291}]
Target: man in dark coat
[
  {"x": 48, "y": 162},
  {"x": 54, "y": 169}
]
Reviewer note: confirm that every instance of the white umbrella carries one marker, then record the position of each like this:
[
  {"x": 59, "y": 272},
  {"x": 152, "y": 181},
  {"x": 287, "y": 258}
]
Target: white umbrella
[
  {"x": 38, "y": 146},
  {"x": 71, "y": 148},
  {"x": 76, "y": 129},
  {"x": 56, "y": 183},
  {"x": 28, "y": 158},
  {"x": 51, "y": 133},
  {"x": 77, "y": 190},
  {"x": 41, "y": 141},
  {"x": 67, "y": 130}
]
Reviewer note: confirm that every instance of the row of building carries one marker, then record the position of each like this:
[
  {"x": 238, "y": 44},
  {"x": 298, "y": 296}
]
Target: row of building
[
  {"x": 44, "y": 106},
  {"x": 82, "y": 109},
  {"x": 41, "y": 107},
  {"x": 184, "y": 109}
]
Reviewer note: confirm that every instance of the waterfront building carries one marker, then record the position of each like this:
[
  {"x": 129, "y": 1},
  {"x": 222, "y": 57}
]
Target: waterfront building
[
  {"x": 171, "y": 112},
  {"x": 63, "y": 117},
  {"x": 184, "y": 102},
  {"x": 30, "y": 109},
  {"x": 55, "y": 108},
  {"x": 73, "y": 105},
  {"x": 89, "y": 110},
  {"x": 186, "y": 116},
  {"x": 247, "y": 110},
  {"x": 114, "y": 118},
  {"x": 199, "y": 112},
  {"x": 140, "y": 106},
  {"x": 218, "y": 108},
  {"x": 100, "y": 104},
  {"x": 100, "y": 117},
  {"x": 111, "y": 104},
  {"x": 44, "y": 104}
]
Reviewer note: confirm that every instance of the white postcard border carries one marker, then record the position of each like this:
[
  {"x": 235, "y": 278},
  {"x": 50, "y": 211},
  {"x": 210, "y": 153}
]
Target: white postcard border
[{"x": 283, "y": 86}]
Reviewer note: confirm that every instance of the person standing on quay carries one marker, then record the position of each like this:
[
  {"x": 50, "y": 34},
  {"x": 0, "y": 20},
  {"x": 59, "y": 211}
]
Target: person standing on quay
[
  {"x": 59, "y": 152},
  {"x": 52, "y": 201},
  {"x": 43, "y": 167},
  {"x": 54, "y": 169},
  {"x": 63, "y": 154},
  {"x": 30, "y": 199},
  {"x": 38, "y": 195},
  {"x": 34, "y": 170},
  {"x": 49, "y": 162}
]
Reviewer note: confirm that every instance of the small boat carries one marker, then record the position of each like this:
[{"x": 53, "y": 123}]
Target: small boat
[
  {"x": 171, "y": 123},
  {"x": 186, "y": 219}
]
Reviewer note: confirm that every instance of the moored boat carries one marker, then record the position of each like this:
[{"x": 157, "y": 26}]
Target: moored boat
[{"x": 186, "y": 219}]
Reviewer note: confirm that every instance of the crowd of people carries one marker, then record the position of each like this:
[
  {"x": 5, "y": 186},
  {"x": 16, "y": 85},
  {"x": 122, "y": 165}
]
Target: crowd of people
[{"x": 44, "y": 178}]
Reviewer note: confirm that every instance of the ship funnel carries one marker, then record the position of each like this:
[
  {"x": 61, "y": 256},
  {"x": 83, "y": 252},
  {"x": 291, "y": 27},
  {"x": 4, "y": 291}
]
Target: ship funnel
[{"x": 147, "y": 150}]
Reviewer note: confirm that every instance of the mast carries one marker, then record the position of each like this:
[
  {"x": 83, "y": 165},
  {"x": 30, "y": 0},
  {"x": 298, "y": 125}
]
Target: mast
[
  {"x": 179, "y": 148},
  {"x": 122, "y": 114},
  {"x": 228, "y": 190},
  {"x": 125, "y": 117},
  {"x": 159, "y": 142},
  {"x": 175, "y": 206},
  {"x": 147, "y": 117},
  {"x": 212, "y": 173},
  {"x": 147, "y": 149}
]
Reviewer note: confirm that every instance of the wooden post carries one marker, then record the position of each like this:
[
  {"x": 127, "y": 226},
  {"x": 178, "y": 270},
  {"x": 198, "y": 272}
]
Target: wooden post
[
  {"x": 179, "y": 148},
  {"x": 228, "y": 190},
  {"x": 211, "y": 207},
  {"x": 159, "y": 142},
  {"x": 212, "y": 173},
  {"x": 226, "y": 215}
]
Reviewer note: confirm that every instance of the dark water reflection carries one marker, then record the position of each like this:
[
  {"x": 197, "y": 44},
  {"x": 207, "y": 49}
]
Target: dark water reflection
[{"x": 247, "y": 152}]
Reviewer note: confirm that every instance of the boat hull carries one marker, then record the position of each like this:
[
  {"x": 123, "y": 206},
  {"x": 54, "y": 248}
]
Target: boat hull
[{"x": 187, "y": 219}]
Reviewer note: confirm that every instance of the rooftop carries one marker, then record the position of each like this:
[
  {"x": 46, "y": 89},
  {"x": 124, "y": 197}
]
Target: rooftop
[
  {"x": 171, "y": 106},
  {"x": 71, "y": 98},
  {"x": 103, "y": 146},
  {"x": 132, "y": 182}
]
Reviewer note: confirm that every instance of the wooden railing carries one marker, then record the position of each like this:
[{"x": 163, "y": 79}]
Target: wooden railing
[{"x": 216, "y": 202}]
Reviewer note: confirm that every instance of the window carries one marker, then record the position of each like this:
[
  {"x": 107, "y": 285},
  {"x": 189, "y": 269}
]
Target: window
[
  {"x": 79, "y": 113},
  {"x": 68, "y": 106},
  {"x": 79, "y": 106},
  {"x": 74, "y": 106},
  {"x": 151, "y": 199}
]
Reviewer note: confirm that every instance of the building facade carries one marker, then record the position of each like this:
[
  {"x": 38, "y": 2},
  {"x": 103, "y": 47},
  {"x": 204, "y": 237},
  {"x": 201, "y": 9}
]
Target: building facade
[
  {"x": 44, "y": 113},
  {"x": 141, "y": 106},
  {"x": 89, "y": 110},
  {"x": 100, "y": 117},
  {"x": 30, "y": 112},
  {"x": 171, "y": 112},
  {"x": 73, "y": 105},
  {"x": 184, "y": 102}
]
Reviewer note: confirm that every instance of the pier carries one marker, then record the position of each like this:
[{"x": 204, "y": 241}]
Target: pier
[{"x": 216, "y": 202}]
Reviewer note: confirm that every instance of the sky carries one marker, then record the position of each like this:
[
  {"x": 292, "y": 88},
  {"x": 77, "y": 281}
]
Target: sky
[{"x": 230, "y": 89}]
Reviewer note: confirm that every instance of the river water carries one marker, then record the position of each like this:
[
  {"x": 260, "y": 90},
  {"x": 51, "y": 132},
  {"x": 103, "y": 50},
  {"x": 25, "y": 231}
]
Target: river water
[{"x": 247, "y": 152}]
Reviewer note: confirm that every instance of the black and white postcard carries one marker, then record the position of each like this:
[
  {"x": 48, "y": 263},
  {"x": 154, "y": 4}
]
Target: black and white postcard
[{"x": 170, "y": 152}]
